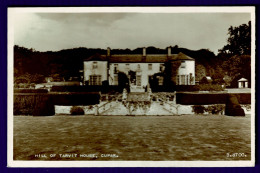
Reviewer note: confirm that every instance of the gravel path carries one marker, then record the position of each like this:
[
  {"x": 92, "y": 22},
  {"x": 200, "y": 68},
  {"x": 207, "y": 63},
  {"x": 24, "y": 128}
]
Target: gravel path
[{"x": 186, "y": 137}]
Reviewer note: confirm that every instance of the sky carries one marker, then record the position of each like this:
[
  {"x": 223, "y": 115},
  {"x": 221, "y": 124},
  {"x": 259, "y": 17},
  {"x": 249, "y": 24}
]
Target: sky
[{"x": 57, "y": 31}]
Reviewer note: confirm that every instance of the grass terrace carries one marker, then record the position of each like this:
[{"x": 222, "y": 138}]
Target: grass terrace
[{"x": 173, "y": 138}]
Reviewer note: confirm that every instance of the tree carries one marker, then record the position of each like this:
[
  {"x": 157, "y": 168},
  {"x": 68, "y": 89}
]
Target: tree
[
  {"x": 200, "y": 71},
  {"x": 237, "y": 67},
  {"x": 227, "y": 79},
  {"x": 218, "y": 76},
  {"x": 204, "y": 80},
  {"x": 29, "y": 78},
  {"x": 239, "y": 41}
]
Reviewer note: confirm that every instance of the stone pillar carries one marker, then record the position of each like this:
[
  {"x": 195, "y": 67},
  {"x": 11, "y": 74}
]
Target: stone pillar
[
  {"x": 174, "y": 98},
  {"x": 96, "y": 109},
  {"x": 239, "y": 84},
  {"x": 149, "y": 91},
  {"x": 144, "y": 51},
  {"x": 246, "y": 84},
  {"x": 124, "y": 95},
  {"x": 169, "y": 51},
  {"x": 108, "y": 51}
]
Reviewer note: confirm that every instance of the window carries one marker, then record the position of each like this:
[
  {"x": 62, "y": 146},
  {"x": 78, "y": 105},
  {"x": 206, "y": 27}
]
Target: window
[
  {"x": 160, "y": 80},
  {"x": 116, "y": 80},
  {"x": 191, "y": 79},
  {"x": 182, "y": 82},
  {"x": 95, "y": 80},
  {"x": 161, "y": 67},
  {"x": 94, "y": 65},
  {"x": 187, "y": 80},
  {"x": 115, "y": 68},
  {"x": 138, "y": 80},
  {"x": 150, "y": 66},
  {"x": 127, "y": 67},
  {"x": 183, "y": 65},
  {"x": 178, "y": 80}
]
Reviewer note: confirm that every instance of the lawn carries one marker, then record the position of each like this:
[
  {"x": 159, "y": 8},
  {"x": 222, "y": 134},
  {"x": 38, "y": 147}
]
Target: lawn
[{"x": 186, "y": 137}]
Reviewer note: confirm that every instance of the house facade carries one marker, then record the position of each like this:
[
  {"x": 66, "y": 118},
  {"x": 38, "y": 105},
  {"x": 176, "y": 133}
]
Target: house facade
[{"x": 139, "y": 69}]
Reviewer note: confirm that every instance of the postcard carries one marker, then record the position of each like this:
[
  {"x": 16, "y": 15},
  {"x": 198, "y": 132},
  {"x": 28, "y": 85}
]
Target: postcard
[{"x": 131, "y": 86}]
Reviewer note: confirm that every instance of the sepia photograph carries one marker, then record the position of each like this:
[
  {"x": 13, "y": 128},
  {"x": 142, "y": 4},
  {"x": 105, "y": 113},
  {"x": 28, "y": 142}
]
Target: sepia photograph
[{"x": 131, "y": 86}]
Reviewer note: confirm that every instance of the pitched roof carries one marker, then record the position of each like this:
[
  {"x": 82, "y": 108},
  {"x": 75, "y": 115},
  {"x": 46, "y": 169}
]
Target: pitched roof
[
  {"x": 242, "y": 80},
  {"x": 131, "y": 58},
  {"x": 182, "y": 56},
  {"x": 96, "y": 57}
]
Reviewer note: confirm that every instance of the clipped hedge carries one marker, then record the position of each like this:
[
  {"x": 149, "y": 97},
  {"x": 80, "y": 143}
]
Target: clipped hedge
[
  {"x": 42, "y": 104},
  {"x": 233, "y": 107},
  {"x": 84, "y": 98},
  {"x": 208, "y": 87},
  {"x": 76, "y": 88},
  {"x": 30, "y": 91},
  {"x": 243, "y": 98},
  {"x": 33, "y": 104},
  {"x": 103, "y": 89},
  {"x": 201, "y": 87},
  {"x": 210, "y": 98},
  {"x": 201, "y": 98},
  {"x": 44, "y": 107}
]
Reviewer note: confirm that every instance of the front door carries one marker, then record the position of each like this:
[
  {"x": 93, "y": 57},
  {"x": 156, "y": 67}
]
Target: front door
[
  {"x": 132, "y": 76},
  {"x": 135, "y": 82}
]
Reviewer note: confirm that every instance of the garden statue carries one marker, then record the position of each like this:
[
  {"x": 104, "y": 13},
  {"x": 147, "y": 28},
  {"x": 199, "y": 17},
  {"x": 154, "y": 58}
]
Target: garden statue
[
  {"x": 149, "y": 91},
  {"x": 124, "y": 97}
]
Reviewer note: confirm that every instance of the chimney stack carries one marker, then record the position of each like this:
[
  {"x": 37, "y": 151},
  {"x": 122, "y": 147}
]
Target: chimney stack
[
  {"x": 169, "y": 51},
  {"x": 108, "y": 51},
  {"x": 144, "y": 51}
]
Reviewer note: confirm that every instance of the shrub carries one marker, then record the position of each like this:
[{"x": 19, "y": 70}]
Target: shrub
[
  {"x": 211, "y": 109},
  {"x": 198, "y": 109},
  {"x": 246, "y": 106},
  {"x": 233, "y": 107},
  {"x": 75, "y": 110},
  {"x": 215, "y": 109},
  {"x": 23, "y": 85}
]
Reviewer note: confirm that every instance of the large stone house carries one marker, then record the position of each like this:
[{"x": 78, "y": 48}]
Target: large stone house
[{"x": 139, "y": 68}]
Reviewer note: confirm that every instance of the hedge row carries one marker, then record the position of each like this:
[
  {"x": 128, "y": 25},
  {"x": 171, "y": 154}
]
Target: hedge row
[
  {"x": 33, "y": 104},
  {"x": 43, "y": 104},
  {"x": 76, "y": 98},
  {"x": 210, "y": 98},
  {"x": 30, "y": 91},
  {"x": 243, "y": 98},
  {"x": 103, "y": 89},
  {"x": 201, "y": 87}
]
